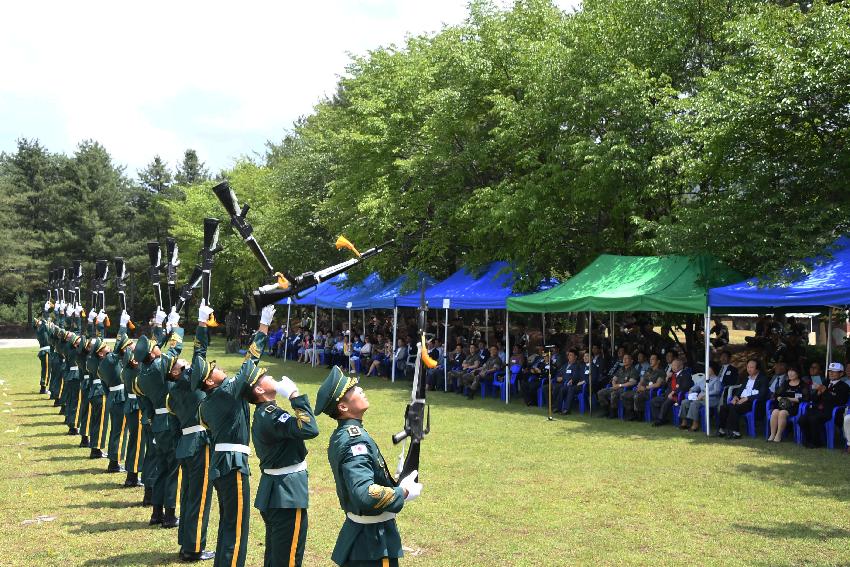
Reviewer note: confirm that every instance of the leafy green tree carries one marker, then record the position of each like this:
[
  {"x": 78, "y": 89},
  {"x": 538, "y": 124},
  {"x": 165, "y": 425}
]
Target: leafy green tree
[{"x": 191, "y": 170}]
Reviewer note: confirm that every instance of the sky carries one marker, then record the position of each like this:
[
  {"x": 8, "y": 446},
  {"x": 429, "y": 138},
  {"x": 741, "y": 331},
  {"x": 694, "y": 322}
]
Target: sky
[{"x": 159, "y": 77}]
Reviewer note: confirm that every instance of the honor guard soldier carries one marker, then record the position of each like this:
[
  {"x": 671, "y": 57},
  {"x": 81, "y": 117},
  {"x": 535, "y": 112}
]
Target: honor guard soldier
[
  {"x": 57, "y": 364},
  {"x": 135, "y": 453},
  {"x": 71, "y": 380},
  {"x": 97, "y": 424},
  {"x": 226, "y": 414},
  {"x": 365, "y": 488},
  {"x": 42, "y": 334},
  {"x": 153, "y": 385},
  {"x": 88, "y": 333},
  {"x": 278, "y": 437},
  {"x": 193, "y": 449},
  {"x": 109, "y": 372}
]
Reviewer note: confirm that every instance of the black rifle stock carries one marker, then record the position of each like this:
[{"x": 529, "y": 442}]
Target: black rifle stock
[
  {"x": 171, "y": 252},
  {"x": 237, "y": 214},
  {"x": 155, "y": 271}
]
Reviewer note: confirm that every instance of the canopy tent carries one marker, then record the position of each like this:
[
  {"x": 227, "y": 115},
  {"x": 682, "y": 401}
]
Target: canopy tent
[
  {"x": 677, "y": 284},
  {"x": 384, "y": 296},
  {"x": 827, "y": 285}
]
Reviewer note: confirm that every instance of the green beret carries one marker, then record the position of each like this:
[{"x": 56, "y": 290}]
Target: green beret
[
  {"x": 144, "y": 346},
  {"x": 333, "y": 389}
]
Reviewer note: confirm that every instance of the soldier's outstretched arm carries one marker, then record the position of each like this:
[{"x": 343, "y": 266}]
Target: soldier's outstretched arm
[
  {"x": 300, "y": 423},
  {"x": 360, "y": 481}
]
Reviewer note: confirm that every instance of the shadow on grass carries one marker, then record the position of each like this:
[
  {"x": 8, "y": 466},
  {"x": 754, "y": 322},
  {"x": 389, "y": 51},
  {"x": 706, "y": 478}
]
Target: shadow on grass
[
  {"x": 794, "y": 530},
  {"x": 101, "y": 505},
  {"x": 95, "y": 486},
  {"x": 57, "y": 446},
  {"x": 143, "y": 558},
  {"x": 47, "y": 423},
  {"x": 107, "y": 526}
]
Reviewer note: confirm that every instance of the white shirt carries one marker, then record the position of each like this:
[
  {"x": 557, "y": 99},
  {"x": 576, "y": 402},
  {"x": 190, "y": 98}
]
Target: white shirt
[{"x": 748, "y": 389}]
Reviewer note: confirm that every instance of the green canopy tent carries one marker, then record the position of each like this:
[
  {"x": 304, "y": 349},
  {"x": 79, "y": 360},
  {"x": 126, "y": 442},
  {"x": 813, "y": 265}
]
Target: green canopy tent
[{"x": 677, "y": 284}]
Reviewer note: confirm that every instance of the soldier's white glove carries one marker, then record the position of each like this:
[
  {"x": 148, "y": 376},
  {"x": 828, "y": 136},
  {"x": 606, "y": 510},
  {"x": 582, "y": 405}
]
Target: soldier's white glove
[
  {"x": 60, "y": 306},
  {"x": 204, "y": 312},
  {"x": 69, "y": 310},
  {"x": 47, "y": 306},
  {"x": 92, "y": 315},
  {"x": 173, "y": 318},
  {"x": 268, "y": 288},
  {"x": 285, "y": 387},
  {"x": 101, "y": 317},
  {"x": 78, "y": 310},
  {"x": 125, "y": 318},
  {"x": 159, "y": 316},
  {"x": 267, "y": 315},
  {"x": 413, "y": 488}
]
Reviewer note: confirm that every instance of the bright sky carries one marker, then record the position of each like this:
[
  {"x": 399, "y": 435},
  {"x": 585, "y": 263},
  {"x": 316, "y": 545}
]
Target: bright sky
[{"x": 158, "y": 77}]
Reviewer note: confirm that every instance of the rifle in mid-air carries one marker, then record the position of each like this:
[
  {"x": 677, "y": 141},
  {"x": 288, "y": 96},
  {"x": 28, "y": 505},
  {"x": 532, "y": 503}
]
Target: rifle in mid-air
[
  {"x": 173, "y": 260},
  {"x": 121, "y": 287},
  {"x": 155, "y": 271}
]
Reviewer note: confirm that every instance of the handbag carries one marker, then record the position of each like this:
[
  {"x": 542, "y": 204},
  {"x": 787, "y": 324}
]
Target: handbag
[{"x": 787, "y": 404}]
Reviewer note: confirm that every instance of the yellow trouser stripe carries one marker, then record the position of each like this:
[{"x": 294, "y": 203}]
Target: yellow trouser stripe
[
  {"x": 179, "y": 482},
  {"x": 385, "y": 562},
  {"x": 235, "y": 561},
  {"x": 61, "y": 387},
  {"x": 121, "y": 437},
  {"x": 44, "y": 368},
  {"x": 295, "y": 534},
  {"x": 138, "y": 443},
  {"x": 203, "y": 500},
  {"x": 77, "y": 415},
  {"x": 88, "y": 423},
  {"x": 102, "y": 432}
]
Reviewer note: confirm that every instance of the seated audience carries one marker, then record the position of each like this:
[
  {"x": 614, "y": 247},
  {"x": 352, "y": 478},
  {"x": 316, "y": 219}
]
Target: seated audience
[
  {"x": 786, "y": 403},
  {"x": 677, "y": 383},
  {"x": 824, "y": 399},
  {"x": 751, "y": 391},
  {"x": 634, "y": 401},
  {"x": 693, "y": 406},
  {"x": 625, "y": 376}
]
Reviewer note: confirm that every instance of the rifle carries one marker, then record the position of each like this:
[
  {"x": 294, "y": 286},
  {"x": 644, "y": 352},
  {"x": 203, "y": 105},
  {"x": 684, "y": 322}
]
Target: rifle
[
  {"x": 416, "y": 424},
  {"x": 155, "y": 257},
  {"x": 188, "y": 288},
  {"x": 120, "y": 286},
  {"x": 61, "y": 282},
  {"x": 208, "y": 252},
  {"x": 51, "y": 282},
  {"x": 101, "y": 273},
  {"x": 171, "y": 269},
  {"x": 237, "y": 218},
  {"x": 76, "y": 280}
]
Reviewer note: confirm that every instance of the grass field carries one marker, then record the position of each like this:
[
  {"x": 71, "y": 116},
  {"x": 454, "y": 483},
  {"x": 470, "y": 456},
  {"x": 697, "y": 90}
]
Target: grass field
[{"x": 502, "y": 487}]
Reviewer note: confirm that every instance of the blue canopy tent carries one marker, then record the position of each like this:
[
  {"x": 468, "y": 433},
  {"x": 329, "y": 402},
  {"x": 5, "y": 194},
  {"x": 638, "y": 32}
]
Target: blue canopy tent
[
  {"x": 828, "y": 285},
  {"x": 488, "y": 289},
  {"x": 316, "y": 297}
]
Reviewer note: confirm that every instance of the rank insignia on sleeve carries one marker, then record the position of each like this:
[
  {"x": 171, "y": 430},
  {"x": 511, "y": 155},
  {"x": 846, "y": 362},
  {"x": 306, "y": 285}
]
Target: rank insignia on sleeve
[
  {"x": 270, "y": 409},
  {"x": 353, "y": 431},
  {"x": 359, "y": 449}
]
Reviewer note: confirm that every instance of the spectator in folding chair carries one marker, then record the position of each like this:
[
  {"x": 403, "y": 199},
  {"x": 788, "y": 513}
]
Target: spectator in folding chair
[
  {"x": 634, "y": 401},
  {"x": 469, "y": 364},
  {"x": 533, "y": 375},
  {"x": 618, "y": 363},
  {"x": 786, "y": 403},
  {"x": 728, "y": 372},
  {"x": 598, "y": 374},
  {"x": 825, "y": 398},
  {"x": 366, "y": 353},
  {"x": 642, "y": 364},
  {"x": 669, "y": 357},
  {"x": 485, "y": 372},
  {"x": 754, "y": 389},
  {"x": 780, "y": 375},
  {"x": 694, "y": 403},
  {"x": 678, "y": 382},
  {"x": 574, "y": 379},
  {"x": 815, "y": 375},
  {"x": 437, "y": 374},
  {"x": 626, "y": 376}
]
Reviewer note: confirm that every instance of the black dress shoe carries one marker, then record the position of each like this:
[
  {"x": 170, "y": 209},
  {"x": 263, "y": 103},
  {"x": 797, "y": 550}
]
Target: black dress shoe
[
  {"x": 73, "y": 431},
  {"x": 84, "y": 442},
  {"x": 57, "y": 403},
  {"x": 147, "y": 498},
  {"x": 132, "y": 480},
  {"x": 170, "y": 520},
  {"x": 196, "y": 556},
  {"x": 61, "y": 410},
  {"x": 96, "y": 454},
  {"x": 43, "y": 390},
  {"x": 156, "y": 516},
  {"x": 115, "y": 466}
]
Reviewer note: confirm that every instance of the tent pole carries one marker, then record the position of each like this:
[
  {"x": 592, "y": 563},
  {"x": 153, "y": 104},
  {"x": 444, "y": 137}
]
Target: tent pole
[
  {"x": 395, "y": 339},
  {"x": 288, "y": 313},
  {"x": 350, "y": 343},
  {"x": 487, "y": 327},
  {"x": 611, "y": 333},
  {"x": 828, "y": 338},
  {"x": 543, "y": 322},
  {"x": 363, "y": 312},
  {"x": 315, "y": 330},
  {"x": 590, "y": 376},
  {"x": 707, "y": 345},
  {"x": 332, "y": 320},
  {"x": 446, "y": 355},
  {"x": 507, "y": 357}
]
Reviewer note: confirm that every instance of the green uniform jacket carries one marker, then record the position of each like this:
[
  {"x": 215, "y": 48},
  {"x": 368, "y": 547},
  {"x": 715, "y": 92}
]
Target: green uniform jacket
[
  {"x": 71, "y": 359},
  {"x": 364, "y": 487},
  {"x": 153, "y": 384},
  {"x": 43, "y": 336},
  {"x": 279, "y": 441},
  {"x": 109, "y": 372},
  {"x": 226, "y": 414},
  {"x": 96, "y": 386},
  {"x": 128, "y": 377},
  {"x": 183, "y": 402}
]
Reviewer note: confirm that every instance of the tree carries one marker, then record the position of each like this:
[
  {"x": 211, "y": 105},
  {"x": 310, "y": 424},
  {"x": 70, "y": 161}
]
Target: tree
[
  {"x": 156, "y": 177},
  {"x": 191, "y": 170}
]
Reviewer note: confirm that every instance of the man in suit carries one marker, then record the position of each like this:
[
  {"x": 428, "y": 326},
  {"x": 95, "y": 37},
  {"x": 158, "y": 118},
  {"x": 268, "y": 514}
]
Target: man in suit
[
  {"x": 750, "y": 393},
  {"x": 825, "y": 398},
  {"x": 728, "y": 372},
  {"x": 678, "y": 383}
]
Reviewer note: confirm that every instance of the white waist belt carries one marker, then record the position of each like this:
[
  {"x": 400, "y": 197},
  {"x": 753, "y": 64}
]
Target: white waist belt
[
  {"x": 116, "y": 388},
  {"x": 74, "y": 368},
  {"x": 193, "y": 429},
  {"x": 95, "y": 381},
  {"x": 224, "y": 447},
  {"x": 44, "y": 348},
  {"x": 131, "y": 396},
  {"x": 161, "y": 411},
  {"x": 302, "y": 466},
  {"x": 383, "y": 517}
]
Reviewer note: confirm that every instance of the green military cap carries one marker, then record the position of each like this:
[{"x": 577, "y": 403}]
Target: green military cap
[
  {"x": 201, "y": 370},
  {"x": 123, "y": 343},
  {"x": 255, "y": 374},
  {"x": 144, "y": 346},
  {"x": 333, "y": 389},
  {"x": 98, "y": 345},
  {"x": 72, "y": 337}
]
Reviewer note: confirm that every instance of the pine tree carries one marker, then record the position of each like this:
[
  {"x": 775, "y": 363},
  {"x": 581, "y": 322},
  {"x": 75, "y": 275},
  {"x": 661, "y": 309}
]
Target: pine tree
[
  {"x": 156, "y": 177},
  {"x": 191, "y": 170}
]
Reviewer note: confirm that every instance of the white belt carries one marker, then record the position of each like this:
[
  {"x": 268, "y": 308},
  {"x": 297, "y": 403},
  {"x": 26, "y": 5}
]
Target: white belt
[
  {"x": 302, "y": 466},
  {"x": 161, "y": 411},
  {"x": 74, "y": 368},
  {"x": 44, "y": 348},
  {"x": 95, "y": 381},
  {"x": 382, "y": 517},
  {"x": 131, "y": 396},
  {"x": 224, "y": 447},
  {"x": 193, "y": 429},
  {"x": 116, "y": 388}
]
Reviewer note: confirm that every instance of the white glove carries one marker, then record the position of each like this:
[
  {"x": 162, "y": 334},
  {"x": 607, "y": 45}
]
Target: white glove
[
  {"x": 204, "y": 312},
  {"x": 173, "y": 318},
  {"x": 60, "y": 306},
  {"x": 267, "y": 315},
  {"x": 47, "y": 306},
  {"x": 413, "y": 488},
  {"x": 269, "y": 287},
  {"x": 78, "y": 310},
  {"x": 159, "y": 316},
  {"x": 92, "y": 315},
  {"x": 125, "y": 318},
  {"x": 101, "y": 317},
  {"x": 69, "y": 310},
  {"x": 285, "y": 387}
]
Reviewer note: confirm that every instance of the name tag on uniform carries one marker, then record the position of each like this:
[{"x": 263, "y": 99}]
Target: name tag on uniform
[
  {"x": 569, "y": 371},
  {"x": 359, "y": 449}
]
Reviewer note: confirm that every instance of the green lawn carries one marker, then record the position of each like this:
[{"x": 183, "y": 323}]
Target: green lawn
[{"x": 502, "y": 487}]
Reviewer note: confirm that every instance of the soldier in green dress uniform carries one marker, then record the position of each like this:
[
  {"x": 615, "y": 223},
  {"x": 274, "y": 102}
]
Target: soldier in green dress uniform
[
  {"x": 109, "y": 372},
  {"x": 42, "y": 334},
  {"x": 71, "y": 380},
  {"x": 88, "y": 334},
  {"x": 365, "y": 488},
  {"x": 193, "y": 449},
  {"x": 278, "y": 437},
  {"x": 54, "y": 386},
  {"x": 135, "y": 453},
  {"x": 98, "y": 424},
  {"x": 153, "y": 385},
  {"x": 226, "y": 414}
]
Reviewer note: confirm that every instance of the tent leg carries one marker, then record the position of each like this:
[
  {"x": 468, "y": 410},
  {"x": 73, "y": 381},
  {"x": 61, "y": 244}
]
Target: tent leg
[
  {"x": 315, "y": 331},
  {"x": 543, "y": 322},
  {"x": 395, "y": 339},
  {"x": 590, "y": 376},
  {"x": 350, "y": 343},
  {"x": 487, "y": 327},
  {"x": 288, "y": 313},
  {"x": 363, "y": 312},
  {"x": 446, "y": 355},
  {"x": 611, "y": 333},
  {"x": 707, "y": 368},
  {"x": 829, "y": 338},
  {"x": 507, "y": 357},
  {"x": 332, "y": 320}
]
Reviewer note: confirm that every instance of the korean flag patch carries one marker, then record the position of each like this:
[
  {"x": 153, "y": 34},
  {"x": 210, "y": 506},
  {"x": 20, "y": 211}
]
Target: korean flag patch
[
  {"x": 283, "y": 417},
  {"x": 359, "y": 449}
]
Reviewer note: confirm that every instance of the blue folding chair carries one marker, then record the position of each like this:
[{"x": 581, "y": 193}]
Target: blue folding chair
[
  {"x": 620, "y": 412},
  {"x": 792, "y": 421},
  {"x": 830, "y": 427}
]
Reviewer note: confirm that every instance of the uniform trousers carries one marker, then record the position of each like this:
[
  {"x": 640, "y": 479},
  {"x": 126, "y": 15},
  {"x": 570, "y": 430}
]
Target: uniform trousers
[
  {"x": 234, "y": 511},
  {"x": 44, "y": 379},
  {"x": 150, "y": 469},
  {"x": 286, "y": 536},
  {"x": 609, "y": 399},
  {"x": 73, "y": 400},
  {"x": 165, "y": 485},
  {"x": 98, "y": 423},
  {"x": 385, "y": 562},
  {"x": 195, "y": 500},
  {"x": 134, "y": 448},
  {"x": 117, "y": 430}
]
